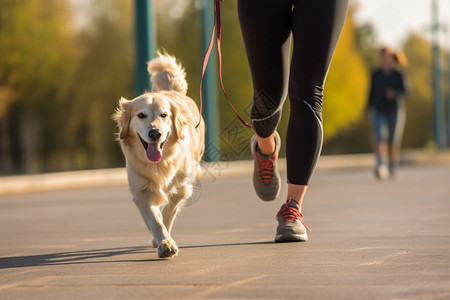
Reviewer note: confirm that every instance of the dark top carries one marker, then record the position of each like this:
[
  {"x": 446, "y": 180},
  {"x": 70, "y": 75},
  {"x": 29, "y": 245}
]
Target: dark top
[{"x": 380, "y": 83}]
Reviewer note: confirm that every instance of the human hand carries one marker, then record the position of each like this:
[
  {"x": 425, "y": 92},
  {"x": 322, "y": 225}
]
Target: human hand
[{"x": 390, "y": 94}]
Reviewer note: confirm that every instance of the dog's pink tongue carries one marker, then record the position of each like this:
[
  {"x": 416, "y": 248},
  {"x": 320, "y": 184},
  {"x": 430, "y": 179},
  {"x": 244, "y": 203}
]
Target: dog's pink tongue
[{"x": 153, "y": 152}]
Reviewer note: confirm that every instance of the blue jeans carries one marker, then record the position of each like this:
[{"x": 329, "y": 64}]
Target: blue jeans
[{"x": 388, "y": 127}]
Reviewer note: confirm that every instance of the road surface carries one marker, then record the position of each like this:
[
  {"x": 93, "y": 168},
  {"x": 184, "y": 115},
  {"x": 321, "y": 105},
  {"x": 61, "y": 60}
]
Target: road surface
[{"x": 369, "y": 240}]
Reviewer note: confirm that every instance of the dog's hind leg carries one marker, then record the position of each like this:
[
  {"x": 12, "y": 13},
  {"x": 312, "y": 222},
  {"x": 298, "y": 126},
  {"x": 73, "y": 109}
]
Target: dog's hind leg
[
  {"x": 169, "y": 213},
  {"x": 170, "y": 210}
]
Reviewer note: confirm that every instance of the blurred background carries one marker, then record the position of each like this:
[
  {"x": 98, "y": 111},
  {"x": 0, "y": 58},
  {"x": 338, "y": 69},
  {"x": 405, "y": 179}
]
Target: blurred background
[{"x": 64, "y": 64}]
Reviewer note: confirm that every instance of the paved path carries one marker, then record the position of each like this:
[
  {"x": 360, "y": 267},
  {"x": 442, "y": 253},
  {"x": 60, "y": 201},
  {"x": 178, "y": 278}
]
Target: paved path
[{"x": 370, "y": 240}]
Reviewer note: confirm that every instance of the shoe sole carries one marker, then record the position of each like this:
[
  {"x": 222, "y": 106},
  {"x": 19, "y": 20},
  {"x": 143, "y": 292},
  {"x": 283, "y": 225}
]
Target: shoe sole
[{"x": 287, "y": 237}]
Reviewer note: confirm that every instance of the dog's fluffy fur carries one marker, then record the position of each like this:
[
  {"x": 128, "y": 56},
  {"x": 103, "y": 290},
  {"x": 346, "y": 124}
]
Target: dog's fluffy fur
[{"x": 162, "y": 147}]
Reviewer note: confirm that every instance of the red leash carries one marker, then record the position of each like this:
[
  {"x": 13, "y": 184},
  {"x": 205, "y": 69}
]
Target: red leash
[{"x": 219, "y": 52}]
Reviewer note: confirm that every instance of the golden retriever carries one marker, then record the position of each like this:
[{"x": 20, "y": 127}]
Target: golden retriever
[{"x": 162, "y": 147}]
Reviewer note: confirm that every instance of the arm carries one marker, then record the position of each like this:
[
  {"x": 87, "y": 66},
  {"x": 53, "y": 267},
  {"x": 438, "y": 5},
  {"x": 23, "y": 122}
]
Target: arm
[
  {"x": 403, "y": 87},
  {"x": 399, "y": 87},
  {"x": 371, "y": 101}
]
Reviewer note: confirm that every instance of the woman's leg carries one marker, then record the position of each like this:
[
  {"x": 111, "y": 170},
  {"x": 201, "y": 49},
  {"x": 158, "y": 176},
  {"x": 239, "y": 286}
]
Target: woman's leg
[
  {"x": 266, "y": 29},
  {"x": 267, "y": 145},
  {"x": 380, "y": 132},
  {"x": 316, "y": 27},
  {"x": 379, "y": 136},
  {"x": 396, "y": 124}
]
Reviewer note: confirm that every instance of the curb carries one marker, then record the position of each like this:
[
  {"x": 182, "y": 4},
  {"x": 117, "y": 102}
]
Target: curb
[
  {"x": 113, "y": 177},
  {"x": 62, "y": 180}
]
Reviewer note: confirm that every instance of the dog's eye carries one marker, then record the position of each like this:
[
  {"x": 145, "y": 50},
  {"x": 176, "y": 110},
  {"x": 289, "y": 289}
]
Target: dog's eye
[
  {"x": 163, "y": 115},
  {"x": 142, "y": 116}
]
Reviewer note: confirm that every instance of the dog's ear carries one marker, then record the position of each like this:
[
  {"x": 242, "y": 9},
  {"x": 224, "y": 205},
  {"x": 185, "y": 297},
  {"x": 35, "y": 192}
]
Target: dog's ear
[
  {"x": 178, "y": 121},
  {"x": 122, "y": 116}
]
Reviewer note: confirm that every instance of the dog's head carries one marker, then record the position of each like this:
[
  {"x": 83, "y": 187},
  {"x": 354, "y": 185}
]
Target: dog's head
[{"x": 153, "y": 120}]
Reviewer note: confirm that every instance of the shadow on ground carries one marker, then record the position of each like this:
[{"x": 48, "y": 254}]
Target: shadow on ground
[
  {"x": 73, "y": 257},
  {"x": 95, "y": 256}
]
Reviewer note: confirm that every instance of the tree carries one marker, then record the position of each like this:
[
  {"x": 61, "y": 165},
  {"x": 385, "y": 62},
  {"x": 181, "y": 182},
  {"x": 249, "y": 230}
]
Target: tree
[
  {"x": 419, "y": 105},
  {"x": 35, "y": 42},
  {"x": 62, "y": 82},
  {"x": 347, "y": 84},
  {"x": 104, "y": 74}
]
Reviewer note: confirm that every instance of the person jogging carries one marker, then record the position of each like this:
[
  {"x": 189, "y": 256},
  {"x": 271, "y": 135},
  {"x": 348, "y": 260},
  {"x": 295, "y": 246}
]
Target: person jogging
[
  {"x": 267, "y": 27},
  {"x": 386, "y": 107}
]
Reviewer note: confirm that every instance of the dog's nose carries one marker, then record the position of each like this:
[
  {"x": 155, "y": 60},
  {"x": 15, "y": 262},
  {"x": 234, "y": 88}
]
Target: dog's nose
[{"x": 154, "y": 134}]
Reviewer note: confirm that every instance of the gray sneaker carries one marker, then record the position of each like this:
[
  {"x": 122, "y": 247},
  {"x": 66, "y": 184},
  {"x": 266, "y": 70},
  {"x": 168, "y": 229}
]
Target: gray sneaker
[
  {"x": 290, "y": 224},
  {"x": 266, "y": 178}
]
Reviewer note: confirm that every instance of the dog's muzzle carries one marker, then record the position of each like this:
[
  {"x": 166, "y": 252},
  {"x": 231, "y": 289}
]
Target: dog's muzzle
[{"x": 154, "y": 149}]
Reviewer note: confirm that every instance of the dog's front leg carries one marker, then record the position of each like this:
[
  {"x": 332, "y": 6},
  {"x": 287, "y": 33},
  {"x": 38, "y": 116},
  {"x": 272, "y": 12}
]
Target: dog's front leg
[{"x": 153, "y": 218}]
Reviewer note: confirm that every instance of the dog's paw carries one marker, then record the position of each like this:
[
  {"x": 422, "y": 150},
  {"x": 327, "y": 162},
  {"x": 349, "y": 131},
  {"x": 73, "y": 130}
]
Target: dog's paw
[
  {"x": 167, "y": 249},
  {"x": 154, "y": 244}
]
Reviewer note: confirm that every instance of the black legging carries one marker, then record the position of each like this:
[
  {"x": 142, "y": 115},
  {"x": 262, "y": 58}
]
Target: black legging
[{"x": 266, "y": 28}]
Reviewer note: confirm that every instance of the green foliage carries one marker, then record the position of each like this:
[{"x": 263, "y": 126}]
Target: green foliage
[
  {"x": 37, "y": 48},
  {"x": 179, "y": 33},
  {"x": 419, "y": 105},
  {"x": 35, "y": 42},
  {"x": 366, "y": 42},
  {"x": 59, "y": 85},
  {"x": 346, "y": 85},
  {"x": 238, "y": 84},
  {"x": 104, "y": 73}
]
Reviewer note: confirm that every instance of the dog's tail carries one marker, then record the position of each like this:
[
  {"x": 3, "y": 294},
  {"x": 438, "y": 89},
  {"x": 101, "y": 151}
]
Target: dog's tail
[{"x": 167, "y": 74}]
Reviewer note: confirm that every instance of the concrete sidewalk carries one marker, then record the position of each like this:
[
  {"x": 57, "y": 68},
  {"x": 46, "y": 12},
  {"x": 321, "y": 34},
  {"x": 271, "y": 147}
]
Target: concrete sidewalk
[
  {"x": 369, "y": 240},
  {"x": 118, "y": 176}
]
